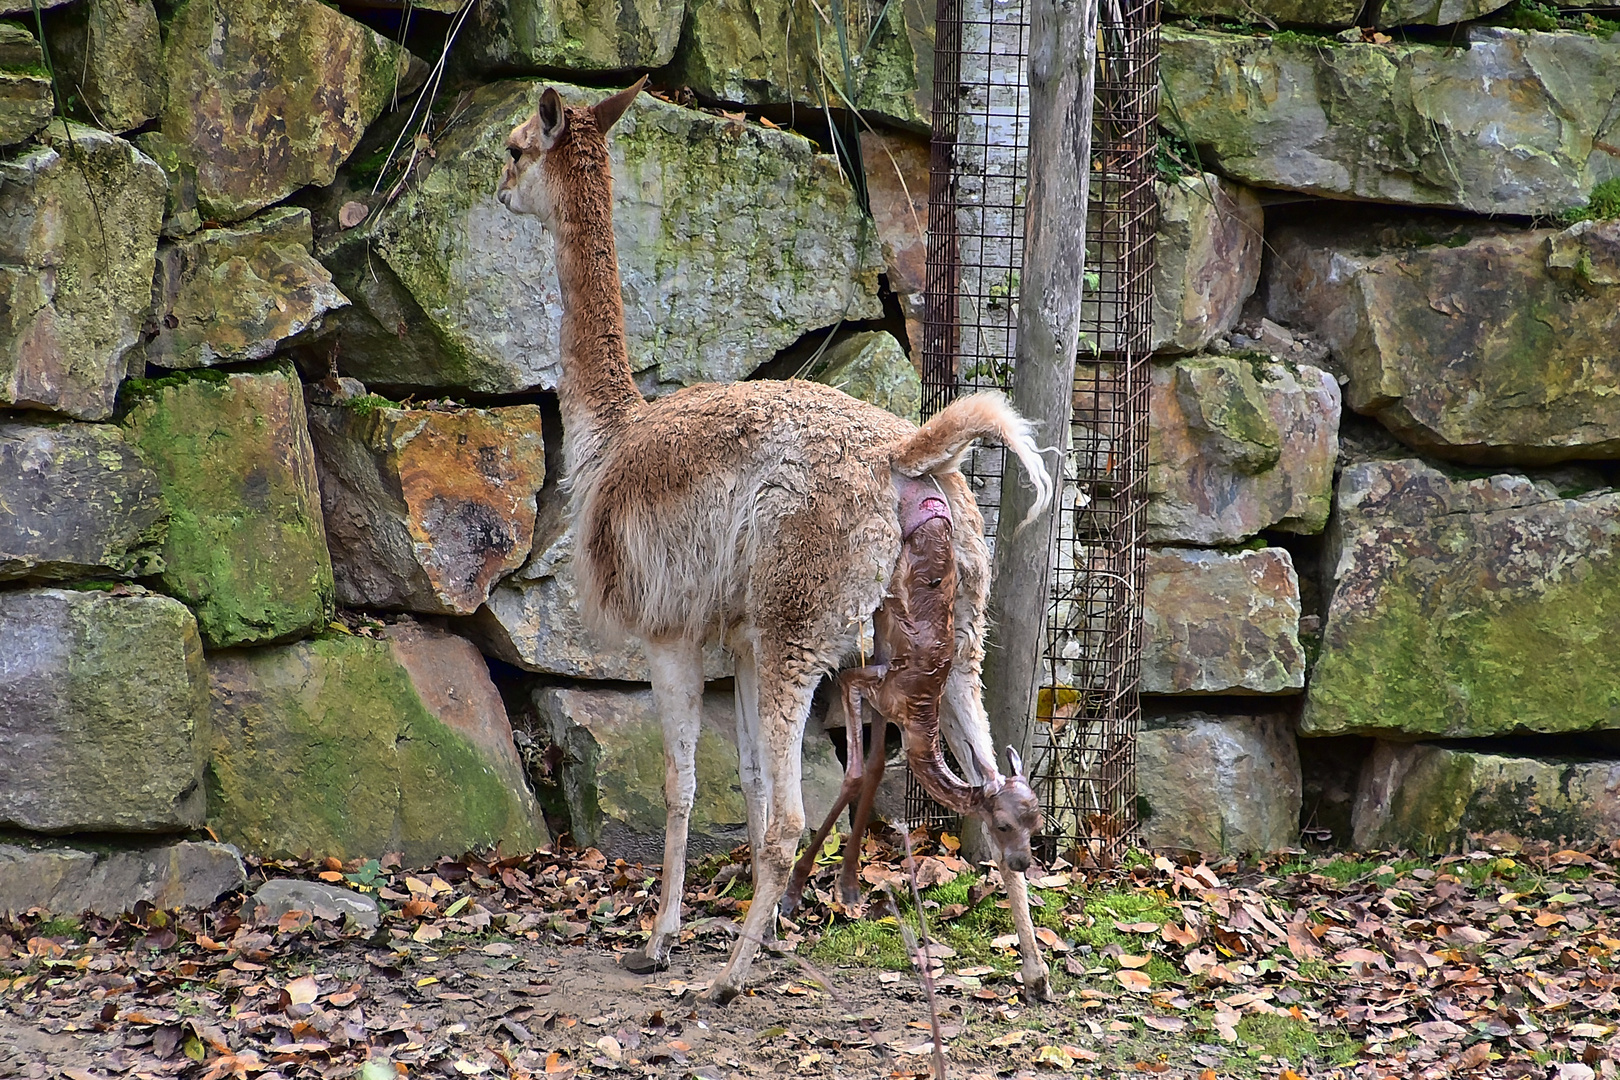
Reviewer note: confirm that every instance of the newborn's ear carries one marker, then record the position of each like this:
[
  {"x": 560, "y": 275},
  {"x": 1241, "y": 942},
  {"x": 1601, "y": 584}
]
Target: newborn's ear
[{"x": 1016, "y": 762}]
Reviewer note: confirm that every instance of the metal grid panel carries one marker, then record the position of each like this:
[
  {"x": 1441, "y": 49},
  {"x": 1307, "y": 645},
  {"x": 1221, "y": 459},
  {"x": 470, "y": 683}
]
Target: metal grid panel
[{"x": 1087, "y": 713}]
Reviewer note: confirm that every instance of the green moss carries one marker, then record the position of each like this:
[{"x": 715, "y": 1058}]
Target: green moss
[
  {"x": 1295, "y": 1040},
  {"x": 1297, "y": 37},
  {"x": 370, "y": 403},
  {"x": 246, "y": 549},
  {"x": 61, "y": 926},
  {"x": 1489, "y": 668},
  {"x": 328, "y": 750},
  {"x": 1532, "y": 15},
  {"x": 1602, "y": 204}
]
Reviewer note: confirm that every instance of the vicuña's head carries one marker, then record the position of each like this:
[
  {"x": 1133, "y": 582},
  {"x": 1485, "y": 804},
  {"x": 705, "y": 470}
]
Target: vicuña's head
[
  {"x": 1012, "y": 814},
  {"x": 556, "y": 154}
]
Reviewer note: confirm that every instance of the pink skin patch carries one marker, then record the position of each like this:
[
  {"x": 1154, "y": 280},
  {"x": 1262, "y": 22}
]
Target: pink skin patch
[{"x": 920, "y": 501}]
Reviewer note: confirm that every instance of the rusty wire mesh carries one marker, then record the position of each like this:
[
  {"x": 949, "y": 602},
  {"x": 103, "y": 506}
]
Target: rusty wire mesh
[{"x": 1087, "y": 712}]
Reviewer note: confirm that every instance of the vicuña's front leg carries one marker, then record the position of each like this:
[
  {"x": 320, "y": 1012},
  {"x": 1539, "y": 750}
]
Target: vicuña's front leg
[
  {"x": 677, "y": 677},
  {"x": 1037, "y": 986}
]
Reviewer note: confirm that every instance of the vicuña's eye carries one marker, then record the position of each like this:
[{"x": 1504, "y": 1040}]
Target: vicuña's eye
[{"x": 515, "y": 153}]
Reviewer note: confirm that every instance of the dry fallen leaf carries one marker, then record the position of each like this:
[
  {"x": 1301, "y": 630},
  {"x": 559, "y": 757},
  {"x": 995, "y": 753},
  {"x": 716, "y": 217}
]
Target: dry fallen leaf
[
  {"x": 303, "y": 990},
  {"x": 1137, "y": 982}
]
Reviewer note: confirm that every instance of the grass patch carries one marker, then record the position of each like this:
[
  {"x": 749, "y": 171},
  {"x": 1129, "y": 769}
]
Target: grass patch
[
  {"x": 1602, "y": 204},
  {"x": 61, "y": 926},
  {"x": 370, "y": 403},
  {"x": 1285, "y": 1037}
]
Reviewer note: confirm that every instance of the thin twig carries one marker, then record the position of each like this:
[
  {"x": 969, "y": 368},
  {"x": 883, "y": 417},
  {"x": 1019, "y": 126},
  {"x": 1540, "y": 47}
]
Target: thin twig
[{"x": 920, "y": 955}]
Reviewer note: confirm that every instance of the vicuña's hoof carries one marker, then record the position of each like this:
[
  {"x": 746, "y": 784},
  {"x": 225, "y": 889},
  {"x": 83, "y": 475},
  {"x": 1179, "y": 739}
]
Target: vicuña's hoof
[
  {"x": 642, "y": 963},
  {"x": 721, "y": 993},
  {"x": 1039, "y": 990}
]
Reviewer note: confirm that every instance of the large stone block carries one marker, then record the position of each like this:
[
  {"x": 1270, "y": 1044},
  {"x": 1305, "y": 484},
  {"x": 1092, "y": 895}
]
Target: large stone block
[
  {"x": 897, "y": 180},
  {"x": 1329, "y": 13},
  {"x": 733, "y": 241},
  {"x": 351, "y": 747},
  {"x": 1221, "y": 622},
  {"x": 105, "y": 724},
  {"x": 77, "y": 502},
  {"x": 25, "y": 85},
  {"x": 225, "y": 295},
  {"x": 78, "y": 228},
  {"x": 607, "y": 782},
  {"x": 873, "y": 367},
  {"x": 1206, "y": 260},
  {"x": 1239, "y": 444},
  {"x": 532, "y": 621},
  {"x": 109, "y": 881},
  {"x": 1435, "y": 12},
  {"x": 1218, "y": 784},
  {"x": 1467, "y": 608},
  {"x": 1431, "y": 797},
  {"x": 516, "y": 36},
  {"x": 1483, "y": 345},
  {"x": 108, "y": 56},
  {"x": 1515, "y": 123},
  {"x": 267, "y": 96},
  {"x": 426, "y": 509},
  {"x": 767, "y": 52},
  {"x": 246, "y": 547}
]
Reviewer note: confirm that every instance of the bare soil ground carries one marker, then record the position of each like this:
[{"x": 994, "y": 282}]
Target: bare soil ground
[{"x": 1494, "y": 964}]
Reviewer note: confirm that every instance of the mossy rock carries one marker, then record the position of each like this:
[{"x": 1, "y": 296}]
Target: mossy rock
[
  {"x": 522, "y": 36},
  {"x": 107, "y": 55},
  {"x": 79, "y": 220},
  {"x": 105, "y": 724},
  {"x": 267, "y": 96},
  {"x": 1484, "y": 344},
  {"x": 1237, "y": 445},
  {"x": 78, "y": 503},
  {"x": 353, "y": 747},
  {"x": 766, "y": 52},
  {"x": 246, "y": 548},
  {"x": 1433, "y": 796},
  {"x": 873, "y": 367},
  {"x": 1402, "y": 122},
  {"x": 228, "y": 295},
  {"x": 1467, "y": 608}
]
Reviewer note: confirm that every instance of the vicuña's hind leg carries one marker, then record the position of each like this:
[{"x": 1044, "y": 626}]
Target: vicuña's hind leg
[
  {"x": 785, "y": 685},
  {"x": 856, "y": 780},
  {"x": 677, "y": 677}
]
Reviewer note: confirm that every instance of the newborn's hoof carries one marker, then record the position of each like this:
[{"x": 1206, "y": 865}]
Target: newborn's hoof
[{"x": 641, "y": 963}]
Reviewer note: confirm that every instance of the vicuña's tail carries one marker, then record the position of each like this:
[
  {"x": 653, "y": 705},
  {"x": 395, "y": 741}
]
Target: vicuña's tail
[{"x": 940, "y": 443}]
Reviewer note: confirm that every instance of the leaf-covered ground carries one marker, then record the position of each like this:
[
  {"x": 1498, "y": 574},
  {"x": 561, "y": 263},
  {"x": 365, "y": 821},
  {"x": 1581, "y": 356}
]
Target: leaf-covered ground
[{"x": 1492, "y": 964}]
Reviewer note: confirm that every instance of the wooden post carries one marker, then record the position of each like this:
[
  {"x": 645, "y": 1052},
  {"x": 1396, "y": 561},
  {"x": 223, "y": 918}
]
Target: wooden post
[{"x": 1062, "y": 78}]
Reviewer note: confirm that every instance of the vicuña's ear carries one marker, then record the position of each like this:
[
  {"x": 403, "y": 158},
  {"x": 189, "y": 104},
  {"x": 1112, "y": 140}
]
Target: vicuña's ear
[
  {"x": 608, "y": 110},
  {"x": 553, "y": 118}
]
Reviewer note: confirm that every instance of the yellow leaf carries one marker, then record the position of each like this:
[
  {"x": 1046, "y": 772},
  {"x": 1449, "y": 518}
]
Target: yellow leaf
[
  {"x": 1054, "y": 1057},
  {"x": 1012, "y": 1038},
  {"x": 429, "y": 981}
]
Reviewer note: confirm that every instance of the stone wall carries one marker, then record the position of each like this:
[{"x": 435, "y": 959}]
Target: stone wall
[
  {"x": 282, "y": 549},
  {"x": 1438, "y": 279}
]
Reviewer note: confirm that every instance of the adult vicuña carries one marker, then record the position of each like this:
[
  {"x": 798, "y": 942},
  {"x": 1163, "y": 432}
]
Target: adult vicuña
[{"x": 759, "y": 513}]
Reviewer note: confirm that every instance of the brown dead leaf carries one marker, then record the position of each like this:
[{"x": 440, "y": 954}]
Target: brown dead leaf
[
  {"x": 1138, "y": 982},
  {"x": 303, "y": 990},
  {"x": 352, "y": 213}
]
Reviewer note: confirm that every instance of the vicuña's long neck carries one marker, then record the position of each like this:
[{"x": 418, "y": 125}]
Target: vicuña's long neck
[
  {"x": 597, "y": 393},
  {"x": 926, "y": 758}
]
